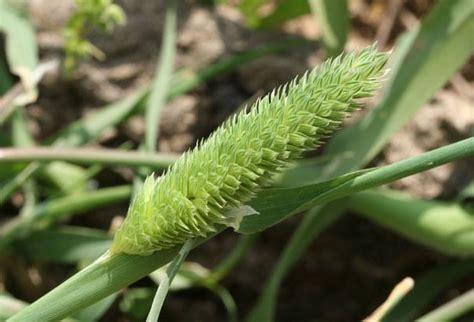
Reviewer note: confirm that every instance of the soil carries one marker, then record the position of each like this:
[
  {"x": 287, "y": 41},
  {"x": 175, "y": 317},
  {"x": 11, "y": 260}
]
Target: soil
[{"x": 352, "y": 267}]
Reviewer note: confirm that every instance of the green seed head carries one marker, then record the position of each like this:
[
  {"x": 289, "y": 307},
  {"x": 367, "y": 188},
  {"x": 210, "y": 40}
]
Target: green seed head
[{"x": 242, "y": 155}]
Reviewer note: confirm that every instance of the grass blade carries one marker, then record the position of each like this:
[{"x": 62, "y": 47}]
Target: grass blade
[
  {"x": 451, "y": 310},
  {"x": 6, "y": 80},
  {"x": 286, "y": 10},
  {"x": 67, "y": 244},
  {"x": 333, "y": 19},
  {"x": 161, "y": 83},
  {"x": 21, "y": 47},
  {"x": 317, "y": 221},
  {"x": 444, "y": 226}
]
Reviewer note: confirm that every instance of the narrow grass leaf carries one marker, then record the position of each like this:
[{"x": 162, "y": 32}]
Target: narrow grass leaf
[
  {"x": 21, "y": 47},
  {"x": 163, "y": 73},
  {"x": 67, "y": 244},
  {"x": 96, "y": 310},
  {"x": 6, "y": 81},
  {"x": 444, "y": 226},
  {"x": 332, "y": 16},
  {"x": 452, "y": 310},
  {"x": 284, "y": 11}
]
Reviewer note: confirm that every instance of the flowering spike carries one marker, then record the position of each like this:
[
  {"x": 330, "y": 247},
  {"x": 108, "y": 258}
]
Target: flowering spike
[{"x": 228, "y": 169}]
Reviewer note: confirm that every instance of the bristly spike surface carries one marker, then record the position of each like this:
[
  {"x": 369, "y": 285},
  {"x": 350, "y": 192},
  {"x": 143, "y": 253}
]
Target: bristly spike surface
[{"x": 192, "y": 198}]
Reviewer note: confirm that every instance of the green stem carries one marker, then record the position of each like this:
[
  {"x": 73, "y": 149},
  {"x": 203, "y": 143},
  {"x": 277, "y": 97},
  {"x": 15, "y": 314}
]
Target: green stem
[
  {"x": 383, "y": 175},
  {"x": 227, "y": 300},
  {"x": 451, "y": 310},
  {"x": 162, "y": 80},
  {"x": 88, "y": 156},
  {"x": 166, "y": 280}
]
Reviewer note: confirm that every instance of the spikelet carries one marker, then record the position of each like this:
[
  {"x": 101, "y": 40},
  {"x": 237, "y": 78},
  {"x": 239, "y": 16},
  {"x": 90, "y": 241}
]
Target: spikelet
[{"x": 242, "y": 155}]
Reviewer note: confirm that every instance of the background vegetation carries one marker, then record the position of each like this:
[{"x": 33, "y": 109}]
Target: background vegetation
[{"x": 96, "y": 95}]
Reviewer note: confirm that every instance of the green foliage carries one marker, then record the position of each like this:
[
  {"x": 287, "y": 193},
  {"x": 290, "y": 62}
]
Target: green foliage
[
  {"x": 6, "y": 80},
  {"x": 424, "y": 59},
  {"x": 136, "y": 302},
  {"x": 162, "y": 80},
  {"x": 332, "y": 16},
  {"x": 68, "y": 244},
  {"x": 103, "y": 15},
  {"x": 89, "y": 128},
  {"x": 427, "y": 287},
  {"x": 242, "y": 155},
  {"x": 21, "y": 48},
  {"x": 109, "y": 274},
  {"x": 420, "y": 220},
  {"x": 282, "y": 12}
]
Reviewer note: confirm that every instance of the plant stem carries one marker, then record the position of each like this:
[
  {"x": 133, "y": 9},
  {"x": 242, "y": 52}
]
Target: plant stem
[
  {"x": 316, "y": 222},
  {"x": 401, "y": 169},
  {"x": 88, "y": 156},
  {"x": 166, "y": 280},
  {"x": 227, "y": 300},
  {"x": 164, "y": 71},
  {"x": 451, "y": 310}
]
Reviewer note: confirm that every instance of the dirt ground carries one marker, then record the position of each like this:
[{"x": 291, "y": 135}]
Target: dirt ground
[{"x": 350, "y": 269}]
